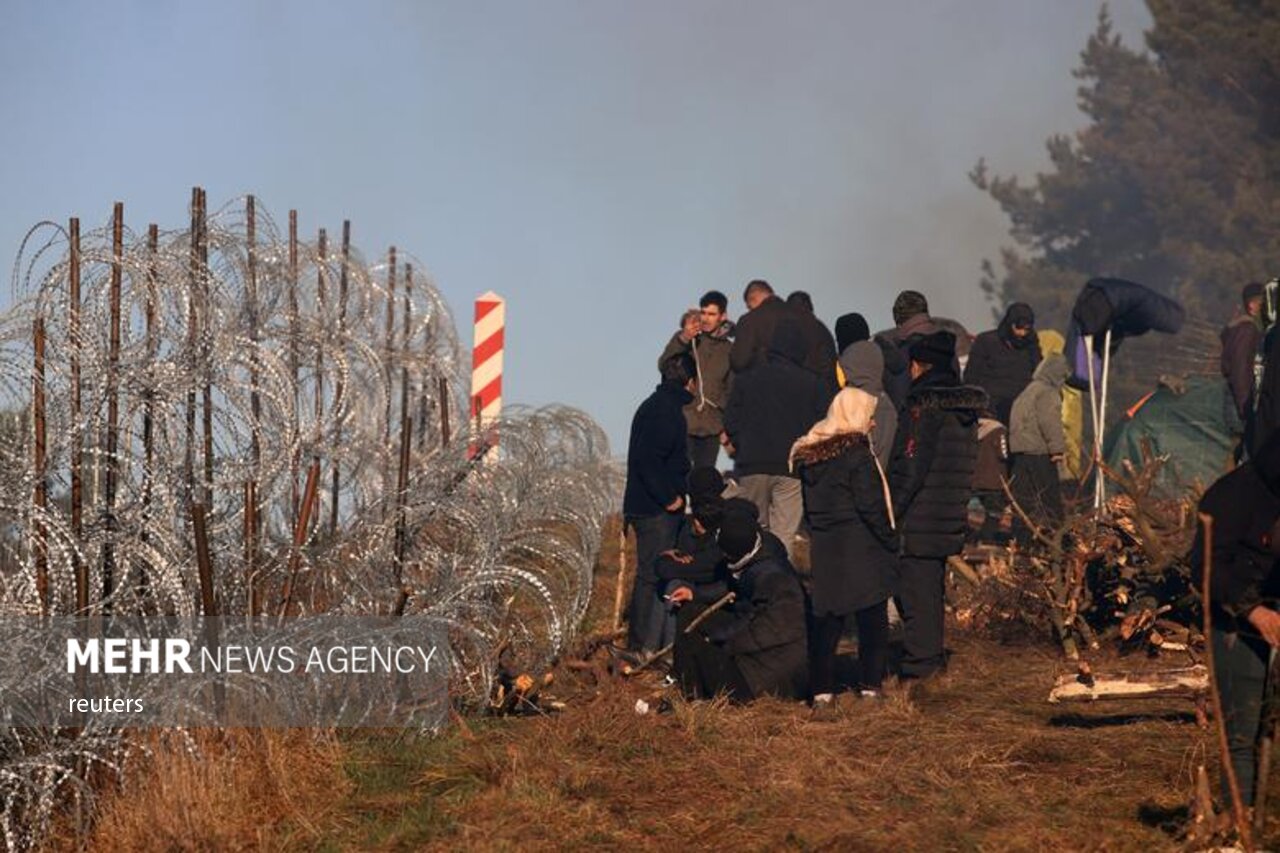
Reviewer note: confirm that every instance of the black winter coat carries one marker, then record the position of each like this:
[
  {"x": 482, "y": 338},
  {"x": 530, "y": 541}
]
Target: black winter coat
[
  {"x": 1002, "y": 365},
  {"x": 754, "y": 333},
  {"x": 852, "y": 547},
  {"x": 657, "y": 454},
  {"x": 771, "y": 405},
  {"x": 931, "y": 475},
  {"x": 1244, "y": 504},
  {"x": 820, "y": 349},
  {"x": 766, "y": 630}
]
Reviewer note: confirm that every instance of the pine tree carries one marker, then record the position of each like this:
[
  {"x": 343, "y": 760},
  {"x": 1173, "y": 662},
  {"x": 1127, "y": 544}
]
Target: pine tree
[{"x": 1174, "y": 182}]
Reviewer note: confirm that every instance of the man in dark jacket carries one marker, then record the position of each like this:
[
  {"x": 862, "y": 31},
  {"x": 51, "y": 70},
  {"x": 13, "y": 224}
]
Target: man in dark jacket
[
  {"x": 710, "y": 350},
  {"x": 773, "y": 403},
  {"x": 754, "y": 333},
  {"x": 1240, "y": 340},
  {"x": 894, "y": 381},
  {"x": 653, "y": 504},
  {"x": 930, "y": 481},
  {"x": 1244, "y": 587},
  {"x": 820, "y": 347},
  {"x": 758, "y": 644},
  {"x": 1003, "y": 360}
]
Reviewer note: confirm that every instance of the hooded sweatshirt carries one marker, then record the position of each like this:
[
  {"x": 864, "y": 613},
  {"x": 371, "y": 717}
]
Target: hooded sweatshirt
[
  {"x": 863, "y": 366},
  {"x": 1001, "y": 363},
  {"x": 1035, "y": 422}
]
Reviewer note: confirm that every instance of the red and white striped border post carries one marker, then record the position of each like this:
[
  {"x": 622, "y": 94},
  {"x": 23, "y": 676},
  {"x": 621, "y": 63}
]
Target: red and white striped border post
[{"x": 486, "y": 366}]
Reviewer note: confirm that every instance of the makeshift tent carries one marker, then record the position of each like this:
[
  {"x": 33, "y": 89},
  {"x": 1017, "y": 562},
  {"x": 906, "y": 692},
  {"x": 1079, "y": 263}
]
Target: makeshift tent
[
  {"x": 1188, "y": 427},
  {"x": 1107, "y": 311}
]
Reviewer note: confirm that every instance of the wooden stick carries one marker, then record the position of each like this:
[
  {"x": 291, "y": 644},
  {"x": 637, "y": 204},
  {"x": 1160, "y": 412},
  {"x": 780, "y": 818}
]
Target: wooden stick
[
  {"x": 1186, "y": 681},
  {"x": 1265, "y": 745},
  {"x": 619, "y": 592},
  {"x": 1237, "y": 802},
  {"x": 727, "y": 598}
]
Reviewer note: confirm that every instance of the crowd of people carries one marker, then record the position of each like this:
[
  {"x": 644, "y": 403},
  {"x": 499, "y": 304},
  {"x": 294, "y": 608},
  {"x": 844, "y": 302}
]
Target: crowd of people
[{"x": 871, "y": 446}]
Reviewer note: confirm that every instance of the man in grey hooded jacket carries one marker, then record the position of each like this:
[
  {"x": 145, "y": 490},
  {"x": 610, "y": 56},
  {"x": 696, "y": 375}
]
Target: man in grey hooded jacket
[{"x": 1037, "y": 444}]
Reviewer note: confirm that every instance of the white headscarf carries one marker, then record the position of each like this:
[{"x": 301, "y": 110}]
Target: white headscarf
[{"x": 852, "y": 412}]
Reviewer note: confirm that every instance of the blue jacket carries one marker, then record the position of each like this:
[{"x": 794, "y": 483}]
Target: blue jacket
[{"x": 657, "y": 455}]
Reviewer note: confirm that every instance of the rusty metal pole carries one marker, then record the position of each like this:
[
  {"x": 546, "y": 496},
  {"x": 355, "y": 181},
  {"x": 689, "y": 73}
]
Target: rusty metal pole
[
  {"x": 388, "y": 378},
  {"x": 293, "y": 358},
  {"x": 323, "y": 252},
  {"x": 79, "y": 567},
  {"x": 206, "y": 360},
  {"x": 299, "y": 538},
  {"x": 255, "y": 409},
  {"x": 193, "y": 332},
  {"x": 406, "y": 426},
  {"x": 113, "y": 410},
  {"x": 444, "y": 412},
  {"x": 40, "y": 500},
  {"x": 339, "y": 390},
  {"x": 208, "y": 601}
]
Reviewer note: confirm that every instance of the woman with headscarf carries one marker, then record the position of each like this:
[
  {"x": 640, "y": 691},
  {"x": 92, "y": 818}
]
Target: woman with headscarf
[{"x": 846, "y": 500}]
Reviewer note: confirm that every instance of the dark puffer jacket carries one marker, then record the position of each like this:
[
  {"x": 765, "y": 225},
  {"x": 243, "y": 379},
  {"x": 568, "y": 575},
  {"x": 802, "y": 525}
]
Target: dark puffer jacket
[
  {"x": 1001, "y": 363},
  {"x": 657, "y": 454},
  {"x": 1245, "y": 505},
  {"x": 933, "y": 462},
  {"x": 852, "y": 545},
  {"x": 766, "y": 631},
  {"x": 772, "y": 404}
]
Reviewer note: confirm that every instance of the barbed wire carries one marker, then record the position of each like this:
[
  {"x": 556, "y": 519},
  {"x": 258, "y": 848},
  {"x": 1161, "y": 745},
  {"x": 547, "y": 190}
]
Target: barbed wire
[{"x": 249, "y": 363}]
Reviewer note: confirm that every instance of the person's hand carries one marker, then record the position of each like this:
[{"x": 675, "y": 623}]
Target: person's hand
[
  {"x": 1267, "y": 621},
  {"x": 676, "y": 505},
  {"x": 681, "y": 594},
  {"x": 1056, "y": 458},
  {"x": 679, "y": 556}
]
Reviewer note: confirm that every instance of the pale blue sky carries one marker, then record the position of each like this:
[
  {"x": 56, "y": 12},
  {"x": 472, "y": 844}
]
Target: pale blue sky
[{"x": 599, "y": 163}]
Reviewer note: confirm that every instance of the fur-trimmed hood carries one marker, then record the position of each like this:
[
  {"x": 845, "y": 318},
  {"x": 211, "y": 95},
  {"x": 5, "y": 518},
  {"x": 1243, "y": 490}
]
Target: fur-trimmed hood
[{"x": 829, "y": 448}]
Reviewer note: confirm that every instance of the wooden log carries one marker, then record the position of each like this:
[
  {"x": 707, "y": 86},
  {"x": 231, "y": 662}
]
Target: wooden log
[{"x": 1188, "y": 681}]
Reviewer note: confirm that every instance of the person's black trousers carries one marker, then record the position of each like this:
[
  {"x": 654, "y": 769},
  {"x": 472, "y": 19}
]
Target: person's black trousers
[
  {"x": 654, "y": 534},
  {"x": 921, "y": 590},
  {"x": 873, "y": 647},
  {"x": 1240, "y": 669},
  {"x": 1037, "y": 490},
  {"x": 704, "y": 450},
  {"x": 702, "y": 668}
]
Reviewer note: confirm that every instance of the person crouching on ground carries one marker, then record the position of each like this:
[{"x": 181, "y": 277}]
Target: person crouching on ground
[
  {"x": 653, "y": 503},
  {"x": 758, "y": 644},
  {"x": 852, "y": 541},
  {"x": 695, "y": 570}
]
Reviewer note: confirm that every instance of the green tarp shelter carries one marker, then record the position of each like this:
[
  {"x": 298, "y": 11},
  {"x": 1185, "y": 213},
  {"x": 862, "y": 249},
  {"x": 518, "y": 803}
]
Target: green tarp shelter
[{"x": 1189, "y": 427}]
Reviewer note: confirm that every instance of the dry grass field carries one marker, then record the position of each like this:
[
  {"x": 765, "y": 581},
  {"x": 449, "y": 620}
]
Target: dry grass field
[{"x": 974, "y": 760}]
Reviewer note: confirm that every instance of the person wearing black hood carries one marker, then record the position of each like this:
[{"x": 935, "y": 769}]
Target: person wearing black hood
[
  {"x": 653, "y": 503},
  {"x": 757, "y": 645},
  {"x": 1003, "y": 360},
  {"x": 1244, "y": 588},
  {"x": 930, "y": 482},
  {"x": 820, "y": 347},
  {"x": 894, "y": 381},
  {"x": 773, "y": 403}
]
